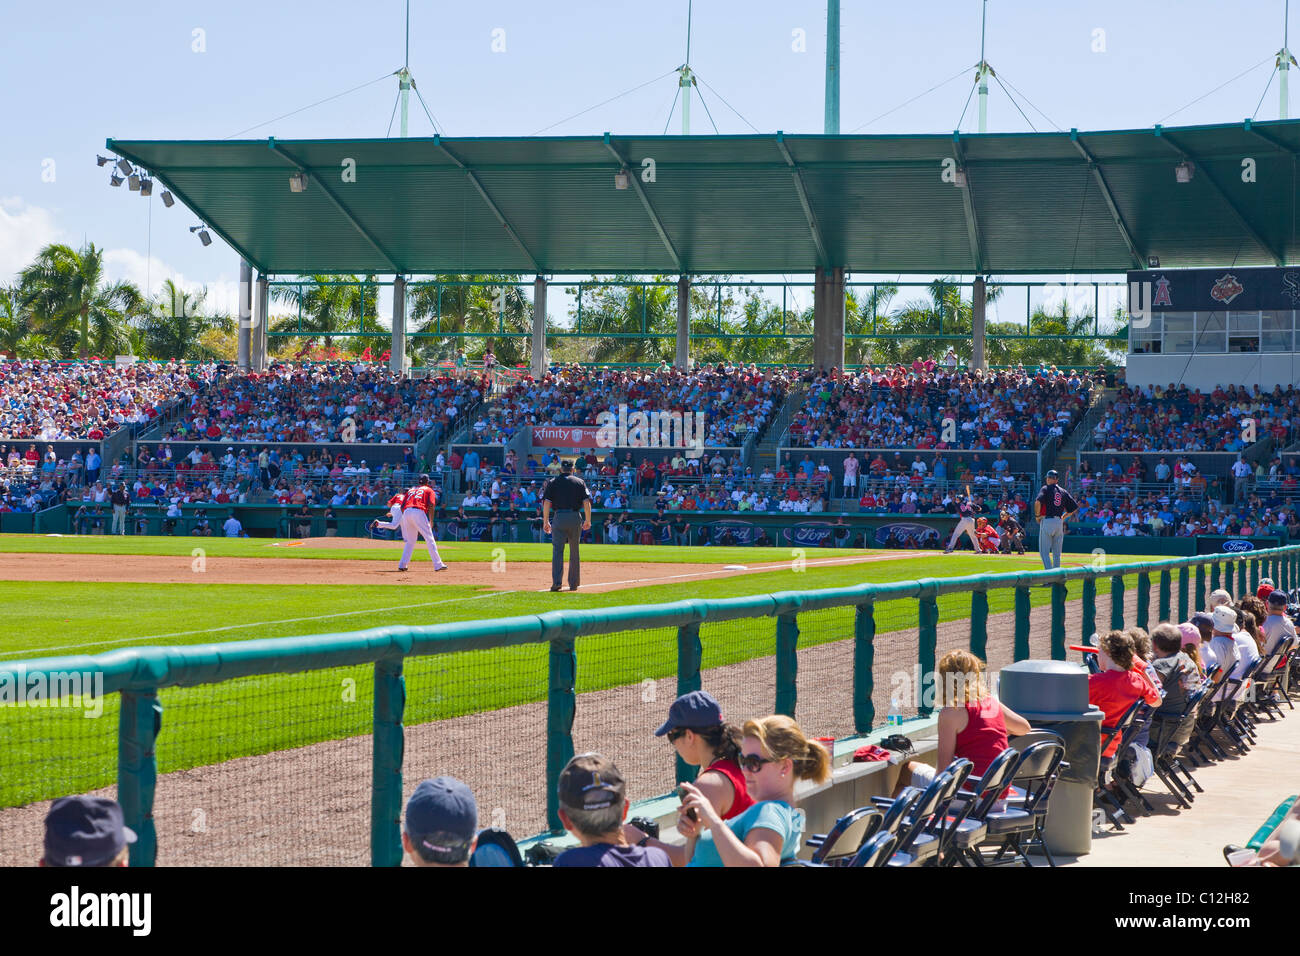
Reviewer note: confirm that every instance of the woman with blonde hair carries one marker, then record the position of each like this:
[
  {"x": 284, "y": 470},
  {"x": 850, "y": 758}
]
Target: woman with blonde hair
[
  {"x": 774, "y": 753},
  {"x": 973, "y": 724}
]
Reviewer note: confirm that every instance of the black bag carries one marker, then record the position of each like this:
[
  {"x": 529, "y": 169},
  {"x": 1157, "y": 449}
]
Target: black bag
[{"x": 900, "y": 743}]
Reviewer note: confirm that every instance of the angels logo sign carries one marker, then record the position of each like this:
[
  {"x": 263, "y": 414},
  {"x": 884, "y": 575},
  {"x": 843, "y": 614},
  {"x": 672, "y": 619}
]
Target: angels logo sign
[
  {"x": 1162, "y": 294},
  {"x": 1227, "y": 289}
]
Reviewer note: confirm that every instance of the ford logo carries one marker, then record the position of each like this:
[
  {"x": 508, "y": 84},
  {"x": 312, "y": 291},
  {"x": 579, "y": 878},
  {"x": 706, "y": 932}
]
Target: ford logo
[
  {"x": 908, "y": 533},
  {"x": 1238, "y": 544},
  {"x": 811, "y": 534}
]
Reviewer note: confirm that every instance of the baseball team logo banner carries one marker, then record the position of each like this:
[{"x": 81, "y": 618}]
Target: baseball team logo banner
[
  {"x": 1209, "y": 290},
  {"x": 567, "y": 436},
  {"x": 810, "y": 533},
  {"x": 742, "y": 532},
  {"x": 918, "y": 534}
]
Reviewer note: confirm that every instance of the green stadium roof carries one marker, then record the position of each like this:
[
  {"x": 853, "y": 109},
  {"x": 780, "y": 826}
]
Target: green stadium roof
[{"x": 1033, "y": 203}]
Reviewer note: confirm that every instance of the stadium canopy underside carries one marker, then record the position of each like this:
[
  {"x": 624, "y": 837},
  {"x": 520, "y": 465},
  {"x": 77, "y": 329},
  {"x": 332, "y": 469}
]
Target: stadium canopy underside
[{"x": 743, "y": 205}]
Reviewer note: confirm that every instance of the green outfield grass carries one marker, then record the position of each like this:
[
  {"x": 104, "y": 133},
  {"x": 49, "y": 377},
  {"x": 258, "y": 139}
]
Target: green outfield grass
[{"x": 53, "y": 751}]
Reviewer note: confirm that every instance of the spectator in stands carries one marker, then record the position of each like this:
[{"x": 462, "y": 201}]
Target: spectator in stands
[
  {"x": 441, "y": 823},
  {"x": 1221, "y": 650},
  {"x": 774, "y": 754},
  {"x": 973, "y": 724},
  {"x": 1178, "y": 675},
  {"x": 1277, "y": 625},
  {"x": 86, "y": 831},
  {"x": 1119, "y": 683},
  {"x": 593, "y": 804}
]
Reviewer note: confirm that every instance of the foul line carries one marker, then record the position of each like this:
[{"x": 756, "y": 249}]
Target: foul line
[
  {"x": 238, "y": 627},
  {"x": 782, "y": 566}
]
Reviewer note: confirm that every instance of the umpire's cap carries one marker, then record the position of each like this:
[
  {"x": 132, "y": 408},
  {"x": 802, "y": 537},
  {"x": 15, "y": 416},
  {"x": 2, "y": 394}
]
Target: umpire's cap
[
  {"x": 566, "y": 465},
  {"x": 424, "y": 479},
  {"x": 1052, "y": 474}
]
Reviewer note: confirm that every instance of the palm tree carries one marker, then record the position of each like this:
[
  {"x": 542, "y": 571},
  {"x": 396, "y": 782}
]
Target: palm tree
[
  {"x": 68, "y": 297},
  {"x": 454, "y": 304},
  {"x": 329, "y": 306},
  {"x": 176, "y": 324}
]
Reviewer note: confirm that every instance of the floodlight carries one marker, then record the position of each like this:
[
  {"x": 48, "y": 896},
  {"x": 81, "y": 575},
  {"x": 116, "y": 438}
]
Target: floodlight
[
  {"x": 167, "y": 199},
  {"x": 146, "y": 187},
  {"x": 101, "y": 160},
  {"x": 1184, "y": 171},
  {"x": 621, "y": 179},
  {"x": 298, "y": 182},
  {"x": 115, "y": 180},
  {"x": 123, "y": 165},
  {"x": 133, "y": 182},
  {"x": 959, "y": 179},
  {"x": 204, "y": 237}
]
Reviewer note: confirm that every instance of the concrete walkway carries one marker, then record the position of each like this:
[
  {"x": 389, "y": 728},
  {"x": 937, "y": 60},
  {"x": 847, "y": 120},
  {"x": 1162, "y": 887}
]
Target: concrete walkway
[{"x": 1240, "y": 793}]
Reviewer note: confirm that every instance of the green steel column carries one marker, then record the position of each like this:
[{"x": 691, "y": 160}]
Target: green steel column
[
  {"x": 1183, "y": 601},
  {"x": 1254, "y": 575},
  {"x": 561, "y": 701},
  {"x": 1164, "y": 594},
  {"x": 137, "y": 770},
  {"x": 1214, "y": 576},
  {"x": 689, "y": 654},
  {"x": 1144, "y": 600},
  {"x": 1058, "y": 622},
  {"x": 1200, "y": 587},
  {"x": 979, "y": 624},
  {"x": 787, "y": 664},
  {"x": 864, "y": 659},
  {"x": 1117, "y": 602},
  {"x": 1241, "y": 578},
  {"x": 1089, "y": 609},
  {"x": 386, "y": 763},
  {"x": 831, "y": 127},
  {"x": 1021, "y": 648},
  {"x": 925, "y": 653}
]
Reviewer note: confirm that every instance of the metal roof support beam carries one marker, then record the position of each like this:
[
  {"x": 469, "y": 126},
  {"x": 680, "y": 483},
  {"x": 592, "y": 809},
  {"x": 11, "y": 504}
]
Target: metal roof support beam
[
  {"x": 1203, "y": 170},
  {"x": 635, "y": 182},
  {"x": 968, "y": 202},
  {"x": 491, "y": 204},
  {"x": 1249, "y": 127},
  {"x": 802, "y": 191},
  {"x": 1139, "y": 260},
  {"x": 338, "y": 204}
]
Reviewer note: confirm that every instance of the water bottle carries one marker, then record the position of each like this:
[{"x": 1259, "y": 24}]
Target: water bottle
[{"x": 895, "y": 713}]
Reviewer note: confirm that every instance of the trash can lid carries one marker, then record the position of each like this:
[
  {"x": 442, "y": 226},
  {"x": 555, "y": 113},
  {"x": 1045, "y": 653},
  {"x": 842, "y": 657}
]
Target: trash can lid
[{"x": 1046, "y": 690}]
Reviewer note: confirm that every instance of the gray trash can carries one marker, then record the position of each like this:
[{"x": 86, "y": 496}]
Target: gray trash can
[{"x": 1053, "y": 696}]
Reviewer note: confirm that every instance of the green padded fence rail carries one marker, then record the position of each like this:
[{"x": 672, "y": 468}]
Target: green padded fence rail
[
  {"x": 1274, "y": 820},
  {"x": 138, "y": 673}
]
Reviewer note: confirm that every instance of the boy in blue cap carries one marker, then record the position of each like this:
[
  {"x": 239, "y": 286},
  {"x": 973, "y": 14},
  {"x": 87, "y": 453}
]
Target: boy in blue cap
[
  {"x": 441, "y": 823},
  {"x": 86, "y": 831}
]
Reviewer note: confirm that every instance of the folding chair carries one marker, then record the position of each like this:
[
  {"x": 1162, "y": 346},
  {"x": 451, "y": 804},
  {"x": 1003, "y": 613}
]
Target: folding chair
[
  {"x": 915, "y": 845},
  {"x": 967, "y": 826},
  {"x": 1125, "y": 784},
  {"x": 1202, "y": 740},
  {"x": 846, "y": 837},
  {"x": 1269, "y": 681},
  {"x": 875, "y": 852},
  {"x": 1019, "y": 828},
  {"x": 1111, "y": 805},
  {"x": 1169, "y": 734},
  {"x": 897, "y": 809},
  {"x": 1225, "y": 713}
]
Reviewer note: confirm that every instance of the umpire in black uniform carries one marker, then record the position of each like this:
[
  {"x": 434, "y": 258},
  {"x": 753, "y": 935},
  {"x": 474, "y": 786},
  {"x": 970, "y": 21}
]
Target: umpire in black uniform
[{"x": 564, "y": 496}]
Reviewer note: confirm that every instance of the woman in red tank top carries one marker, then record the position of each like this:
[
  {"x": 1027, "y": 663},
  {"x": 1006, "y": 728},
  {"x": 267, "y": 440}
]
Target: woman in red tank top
[
  {"x": 972, "y": 724},
  {"x": 703, "y": 739}
]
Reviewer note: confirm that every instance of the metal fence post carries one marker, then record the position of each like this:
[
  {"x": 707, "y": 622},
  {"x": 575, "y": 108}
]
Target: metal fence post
[
  {"x": 689, "y": 653},
  {"x": 1183, "y": 602},
  {"x": 137, "y": 770},
  {"x": 1144, "y": 601},
  {"x": 1117, "y": 602},
  {"x": 561, "y": 701},
  {"x": 864, "y": 659},
  {"x": 1200, "y": 587},
  {"x": 1164, "y": 594},
  {"x": 1254, "y": 574},
  {"x": 979, "y": 624},
  {"x": 1089, "y": 609},
  {"x": 1241, "y": 576},
  {"x": 388, "y": 755},
  {"x": 1021, "y": 648},
  {"x": 787, "y": 664},
  {"x": 1058, "y": 621},
  {"x": 928, "y": 618},
  {"x": 1214, "y": 576}
]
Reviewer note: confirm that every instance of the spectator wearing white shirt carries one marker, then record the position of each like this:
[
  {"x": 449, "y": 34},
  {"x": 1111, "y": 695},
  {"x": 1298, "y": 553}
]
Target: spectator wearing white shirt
[{"x": 232, "y": 527}]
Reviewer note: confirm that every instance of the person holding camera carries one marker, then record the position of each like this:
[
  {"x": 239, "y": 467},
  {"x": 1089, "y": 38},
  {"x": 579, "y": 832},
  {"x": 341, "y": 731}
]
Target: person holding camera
[
  {"x": 774, "y": 753},
  {"x": 702, "y": 739},
  {"x": 593, "y": 803}
]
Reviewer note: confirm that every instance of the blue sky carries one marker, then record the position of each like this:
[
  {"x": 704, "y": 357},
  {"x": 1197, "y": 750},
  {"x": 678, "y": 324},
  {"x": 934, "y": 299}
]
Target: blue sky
[{"x": 75, "y": 73}]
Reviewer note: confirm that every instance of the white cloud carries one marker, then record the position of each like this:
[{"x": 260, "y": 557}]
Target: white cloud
[
  {"x": 24, "y": 231},
  {"x": 149, "y": 273}
]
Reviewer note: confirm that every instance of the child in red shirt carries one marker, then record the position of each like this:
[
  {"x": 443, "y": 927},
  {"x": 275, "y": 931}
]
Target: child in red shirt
[{"x": 1123, "y": 679}]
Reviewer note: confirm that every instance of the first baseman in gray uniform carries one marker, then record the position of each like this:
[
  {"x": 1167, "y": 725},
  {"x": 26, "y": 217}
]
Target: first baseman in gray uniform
[{"x": 1052, "y": 506}]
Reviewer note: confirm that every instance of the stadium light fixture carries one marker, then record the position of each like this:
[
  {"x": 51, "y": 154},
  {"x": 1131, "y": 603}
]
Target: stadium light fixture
[
  {"x": 298, "y": 182},
  {"x": 146, "y": 187},
  {"x": 1184, "y": 171},
  {"x": 125, "y": 167},
  {"x": 101, "y": 160},
  {"x": 115, "y": 179},
  {"x": 133, "y": 182},
  {"x": 959, "y": 179},
  {"x": 167, "y": 199},
  {"x": 1153, "y": 262},
  {"x": 621, "y": 179},
  {"x": 204, "y": 237}
]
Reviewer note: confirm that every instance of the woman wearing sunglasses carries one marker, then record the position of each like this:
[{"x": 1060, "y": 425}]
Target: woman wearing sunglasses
[
  {"x": 773, "y": 755},
  {"x": 702, "y": 739}
]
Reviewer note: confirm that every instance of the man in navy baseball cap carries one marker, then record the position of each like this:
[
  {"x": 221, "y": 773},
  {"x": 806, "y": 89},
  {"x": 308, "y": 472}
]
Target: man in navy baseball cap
[
  {"x": 695, "y": 710},
  {"x": 86, "y": 831},
  {"x": 441, "y": 823}
]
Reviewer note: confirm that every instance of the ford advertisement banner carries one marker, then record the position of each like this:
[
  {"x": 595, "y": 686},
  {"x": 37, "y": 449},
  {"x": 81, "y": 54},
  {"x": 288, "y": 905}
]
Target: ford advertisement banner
[
  {"x": 741, "y": 532},
  {"x": 915, "y": 535},
  {"x": 810, "y": 534},
  {"x": 1237, "y": 545}
]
